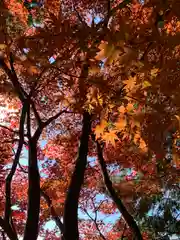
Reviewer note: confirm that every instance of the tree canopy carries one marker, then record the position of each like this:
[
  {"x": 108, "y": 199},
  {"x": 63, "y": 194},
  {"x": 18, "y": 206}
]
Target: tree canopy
[{"x": 89, "y": 119}]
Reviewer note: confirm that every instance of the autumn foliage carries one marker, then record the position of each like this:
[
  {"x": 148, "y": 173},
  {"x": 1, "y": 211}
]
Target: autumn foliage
[{"x": 89, "y": 119}]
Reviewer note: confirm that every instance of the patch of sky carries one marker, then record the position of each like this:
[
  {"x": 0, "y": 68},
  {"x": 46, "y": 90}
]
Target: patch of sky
[
  {"x": 15, "y": 207},
  {"x": 26, "y": 50},
  {"x": 50, "y": 225},
  {"x": 97, "y": 19},
  {"x": 37, "y": 24},
  {"x": 106, "y": 218},
  {"x": 52, "y": 60},
  {"x": 92, "y": 161}
]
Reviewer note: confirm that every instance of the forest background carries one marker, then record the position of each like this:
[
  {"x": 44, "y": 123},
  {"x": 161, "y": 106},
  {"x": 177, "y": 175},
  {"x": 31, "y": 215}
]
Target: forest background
[{"x": 89, "y": 119}]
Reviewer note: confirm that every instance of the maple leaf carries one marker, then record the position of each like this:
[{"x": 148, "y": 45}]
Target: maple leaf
[
  {"x": 130, "y": 83},
  {"x": 110, "y": 137},
  {"x": 130, "y": 107},
  {"x": 120, "y": 124},
  {"x": 99, "y": 129},
  {"x": 121, "y": 109},
  {"x": 154, "y": 72},
  {"x": 146, "y": 84}
]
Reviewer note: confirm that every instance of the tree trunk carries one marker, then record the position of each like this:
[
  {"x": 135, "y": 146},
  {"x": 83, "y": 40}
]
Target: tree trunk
[
  {"x": 126, "y": 215},
  {"x": 70, "y": 218},
  {"x": 31, "y": 229}
]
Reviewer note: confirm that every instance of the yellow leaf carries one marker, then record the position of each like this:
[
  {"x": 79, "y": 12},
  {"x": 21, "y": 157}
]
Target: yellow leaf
[
  {"x": 121, "y": 124},
  {"x": 130, "y": 83},
  {"x": 136, "y": 138},
  {"x": 129, "y": 107},
  {"x": 3, "y": 46},
  {"x": 100, "y": 100},
  {"x": 113, "y": 55},
  {"x": 143, "y": 145},
  {"x": 110, "y": 137},
  {"x": 154, "y": 72},
  {"x": 99, "y": 130},
  {"x": 146, "y": 84},
  {"x": 107, "y": 51},
  {"x": 100, "y": 55}
]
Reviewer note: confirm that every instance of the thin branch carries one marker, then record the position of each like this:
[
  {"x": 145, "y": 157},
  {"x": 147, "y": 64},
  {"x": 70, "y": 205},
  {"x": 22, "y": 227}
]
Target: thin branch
[
  {"x": 7, "y": 214},
  {"x": 52, "y": 210},
  {"x": 54, "y": 117},
  {"x": 13, "y": 78},
  {"x": 22, "y": 169},
  {"x": 9, "y": 129},
  {"x": 46, "y": 123},
  {"x": 121, "y": 207},
  {"x": 95, "y": 222}
]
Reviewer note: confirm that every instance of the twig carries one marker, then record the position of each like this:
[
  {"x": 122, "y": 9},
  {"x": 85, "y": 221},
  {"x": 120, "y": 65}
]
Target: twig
[{"x": 95, "y": 222}]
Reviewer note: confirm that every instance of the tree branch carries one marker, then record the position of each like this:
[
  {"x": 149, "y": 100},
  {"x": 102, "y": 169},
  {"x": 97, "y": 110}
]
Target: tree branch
[
  {"x": 126, "y": 215},
  {"x": 9, "y": 129},
  {"x": 71, "y": 203},
  {"x": 95, "y": 222},
  {"x": 7, "y": 214},
  {"x": 32, "y": 222},
  {"x": 52, "y": 210},
  {"x": 13, "y": 78}
]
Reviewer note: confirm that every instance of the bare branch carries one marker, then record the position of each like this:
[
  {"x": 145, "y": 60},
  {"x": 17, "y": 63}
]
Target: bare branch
[{"x": 95, "y": 219}]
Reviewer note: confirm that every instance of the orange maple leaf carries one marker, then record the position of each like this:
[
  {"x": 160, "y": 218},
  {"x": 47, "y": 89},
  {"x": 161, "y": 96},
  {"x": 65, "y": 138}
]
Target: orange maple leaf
[
  {"x": 110, "y": 137},
  {"x": 120, "y": 124},
  {"x": 130, "y": 83},
  {"x": 99, "y": 130}
]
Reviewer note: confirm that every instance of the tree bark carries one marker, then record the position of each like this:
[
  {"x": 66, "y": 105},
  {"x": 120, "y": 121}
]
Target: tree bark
[
  {"x": 126, "y": 215},
  {"x": 70, "y": 218},
  {"x": 31, "y": 229}
]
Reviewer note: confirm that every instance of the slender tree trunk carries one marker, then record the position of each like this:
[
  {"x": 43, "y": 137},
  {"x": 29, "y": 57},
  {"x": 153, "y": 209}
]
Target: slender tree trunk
[
  {"x": 71, "y": 204},
  {"x": 126, "y": 215},
  {"x": 31, "y": 229}
]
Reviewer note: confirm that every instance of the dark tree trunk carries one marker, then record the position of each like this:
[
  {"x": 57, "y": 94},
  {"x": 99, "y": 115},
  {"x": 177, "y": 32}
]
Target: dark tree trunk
[
  {"x": 31, "y": 230},
  {"x": 126, "y": 215},
  {"x": 71, "y": 204}
]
